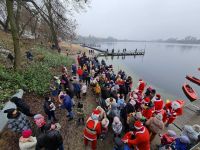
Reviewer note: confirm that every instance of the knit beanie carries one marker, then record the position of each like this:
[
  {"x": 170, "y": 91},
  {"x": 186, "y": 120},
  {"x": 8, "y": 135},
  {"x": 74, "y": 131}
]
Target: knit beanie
[{"x": 26, "y": 133}]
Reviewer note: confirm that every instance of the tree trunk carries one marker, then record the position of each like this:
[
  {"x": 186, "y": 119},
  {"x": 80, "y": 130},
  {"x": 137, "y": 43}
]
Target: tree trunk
[
  {"x": 15, "y": 35},
  {"x": 51, "y": 25}
]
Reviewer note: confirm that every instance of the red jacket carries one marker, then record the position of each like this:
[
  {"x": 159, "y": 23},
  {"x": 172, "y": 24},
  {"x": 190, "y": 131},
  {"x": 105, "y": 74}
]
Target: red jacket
[
  {"x": 141, "y": 140},
  {"x": 147, "y": 113},
  {"x": 158, "y": 105},
  {"x": 80, "y": 72},
  {"x": 92, "y": 129}
]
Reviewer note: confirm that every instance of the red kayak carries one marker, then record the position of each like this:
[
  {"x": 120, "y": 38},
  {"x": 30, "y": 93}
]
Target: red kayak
[
  {"x": 193, "y": 79},
  {"x": 189, "y": 92}
]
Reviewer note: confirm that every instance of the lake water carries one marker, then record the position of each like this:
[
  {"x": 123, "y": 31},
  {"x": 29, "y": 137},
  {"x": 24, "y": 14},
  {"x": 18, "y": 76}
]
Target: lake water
[{"x": 164, "y": 66}]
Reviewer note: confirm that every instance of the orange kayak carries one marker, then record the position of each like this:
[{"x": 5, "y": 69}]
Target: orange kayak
[
  {"x": 193, "y": 79},
  {"x": 190, "y": 92}
]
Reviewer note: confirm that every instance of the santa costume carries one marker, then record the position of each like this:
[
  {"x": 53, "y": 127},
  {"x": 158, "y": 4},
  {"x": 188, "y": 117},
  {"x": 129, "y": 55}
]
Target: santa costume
[
  {"x": 172, "y": 110},
  {"x": 92, "y": 129},
  {"x": 141, "y": 140},
  {"x": 147, "y": 110},
  {"x": 141, "y": 86},
  {"x": 158, "y": 104}
]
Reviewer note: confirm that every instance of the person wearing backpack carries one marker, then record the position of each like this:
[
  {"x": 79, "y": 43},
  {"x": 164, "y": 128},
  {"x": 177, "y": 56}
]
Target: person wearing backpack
[
  {"x": 49, "y": 109},
  {"x": 92, "y": 129}
]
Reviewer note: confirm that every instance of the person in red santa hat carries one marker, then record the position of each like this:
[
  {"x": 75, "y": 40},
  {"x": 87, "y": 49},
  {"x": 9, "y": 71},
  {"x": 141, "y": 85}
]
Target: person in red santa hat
[
  {"x": 172, "y": 110},
  {"x": 139, "y": 139},
  {"x": 92, "y": 129},
  {"x": 158, "y": 104},
  {"x": 141, "y": 86},
  {"x": 147, "y": 108}
]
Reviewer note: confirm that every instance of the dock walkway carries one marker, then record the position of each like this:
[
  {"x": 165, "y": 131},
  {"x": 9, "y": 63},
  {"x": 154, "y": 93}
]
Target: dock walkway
[{"x": 106, "y": 53}]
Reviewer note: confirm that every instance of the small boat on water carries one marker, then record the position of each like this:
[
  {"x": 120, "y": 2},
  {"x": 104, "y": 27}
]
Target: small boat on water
[
  {"x": 193, "y": 79},
  {"x": 190, "y": 92}
]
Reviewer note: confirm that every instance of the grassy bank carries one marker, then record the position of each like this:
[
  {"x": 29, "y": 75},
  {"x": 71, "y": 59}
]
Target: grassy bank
[{"x": 35, "y": 75}]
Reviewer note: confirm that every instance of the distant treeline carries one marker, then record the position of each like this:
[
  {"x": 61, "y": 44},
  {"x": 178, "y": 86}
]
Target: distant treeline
[
  {"x": 186, "y": 40},
  {"x": 92, "y": 39},
  {"x": 95, "y": 40}
]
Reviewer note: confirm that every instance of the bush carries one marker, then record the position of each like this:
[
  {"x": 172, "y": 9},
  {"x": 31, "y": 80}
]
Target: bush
[{"x": 35, "y": 77}]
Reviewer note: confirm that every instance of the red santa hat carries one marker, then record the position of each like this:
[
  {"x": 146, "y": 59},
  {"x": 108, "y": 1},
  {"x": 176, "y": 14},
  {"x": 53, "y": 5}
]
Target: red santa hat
[
  {"x": 138, "y": 125},
  {"x": 158, "y": 96},
  {"x": 96, "y": 112},
  {"x": 140, "y": 80},
  {"x": 146, "y": 100}
]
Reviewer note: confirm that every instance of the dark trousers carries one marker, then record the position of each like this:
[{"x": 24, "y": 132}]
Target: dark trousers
[
  {"x": 88, "y": 81},
  {"x": 51, "y": 114},
  {"x": 78, "y": 95}
]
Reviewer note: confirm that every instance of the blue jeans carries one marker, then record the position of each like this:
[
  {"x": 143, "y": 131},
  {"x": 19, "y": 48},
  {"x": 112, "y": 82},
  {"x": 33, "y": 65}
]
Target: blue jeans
[
  {"x": 126, "y": 147},
  {"x": 61, "y": 147},
  {"x": 71, "y": 114}
]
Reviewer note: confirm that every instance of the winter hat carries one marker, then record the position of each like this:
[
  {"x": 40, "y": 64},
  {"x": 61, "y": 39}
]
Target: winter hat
[
  {"x": 105, "y": 122},
  {"x": 159, "y": 117},
  {"x": 146, "y": 100},
  {"x": 196, "y": 128},
  {"x": 116, "y": 120},
  {"x": 132, "y": 102},
  {"x": 96, "y": 113},
  {"x": 26, "y": 133},
  {"x": 39, "y": 120},
  {"x": 171, "y": 133},
  {"x": 175, "y": 105},
  {"x": 138, "y": 115},
  {"x": 9, "y": 112},
  {"x": 158, "y": 96},
  {"x": 184, "y": 139},
  {"x": 140, "y": 80},
  {"x": 138, "y": 125}
]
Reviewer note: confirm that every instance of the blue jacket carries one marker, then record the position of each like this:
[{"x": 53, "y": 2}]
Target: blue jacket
[
  {"x": 77, "y": 87},
  {"x": 67, "y": 102}
]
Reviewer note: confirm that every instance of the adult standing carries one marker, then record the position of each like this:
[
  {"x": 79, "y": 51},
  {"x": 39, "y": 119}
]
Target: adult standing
[
  {"x": 92, "y": 129},
  {"x": 141, "y": 140}
]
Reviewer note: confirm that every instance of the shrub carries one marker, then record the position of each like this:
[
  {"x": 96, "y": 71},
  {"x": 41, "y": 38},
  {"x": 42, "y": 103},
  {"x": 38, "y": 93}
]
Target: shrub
[{"x": 35, "y": 77}]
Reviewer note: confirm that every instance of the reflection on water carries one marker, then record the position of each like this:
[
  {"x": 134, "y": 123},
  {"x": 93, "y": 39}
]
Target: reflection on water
[{"x": 163, "y": 65}]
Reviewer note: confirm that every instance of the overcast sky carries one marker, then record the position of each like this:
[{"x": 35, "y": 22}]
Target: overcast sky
[{"x": 141, "y": 19}]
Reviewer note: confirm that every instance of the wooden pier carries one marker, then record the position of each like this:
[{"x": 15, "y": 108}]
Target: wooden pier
[
  {"x": 106, "y": 53},
  {"x": 121, "y": 54}
]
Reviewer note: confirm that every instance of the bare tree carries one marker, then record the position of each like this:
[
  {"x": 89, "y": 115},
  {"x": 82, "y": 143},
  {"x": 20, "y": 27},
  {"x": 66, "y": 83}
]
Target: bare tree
[
  {"x": 15, "y": 33},
  {"x": 3, "y": 16}
]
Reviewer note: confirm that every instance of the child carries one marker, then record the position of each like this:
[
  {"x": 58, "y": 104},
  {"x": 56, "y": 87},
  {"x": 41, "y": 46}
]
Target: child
[
  {"x": 104, "y": 123},
  {"x": 84, "y": 89},
  {"x": 49, "y": 108},
  {"x": 26, "y": 141},
  {"x": 80, "y": 113}
]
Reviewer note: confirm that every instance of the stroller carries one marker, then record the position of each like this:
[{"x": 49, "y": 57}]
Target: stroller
[{"x": 166, "y": 140}]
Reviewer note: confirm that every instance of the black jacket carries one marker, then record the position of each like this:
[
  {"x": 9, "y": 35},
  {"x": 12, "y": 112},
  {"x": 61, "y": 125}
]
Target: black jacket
[
  {"x": 50, "y": 140},
  {"x": 21, "y": 105}
]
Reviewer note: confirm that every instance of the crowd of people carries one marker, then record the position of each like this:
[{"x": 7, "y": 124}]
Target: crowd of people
[{"x": 133, "y": 116}]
